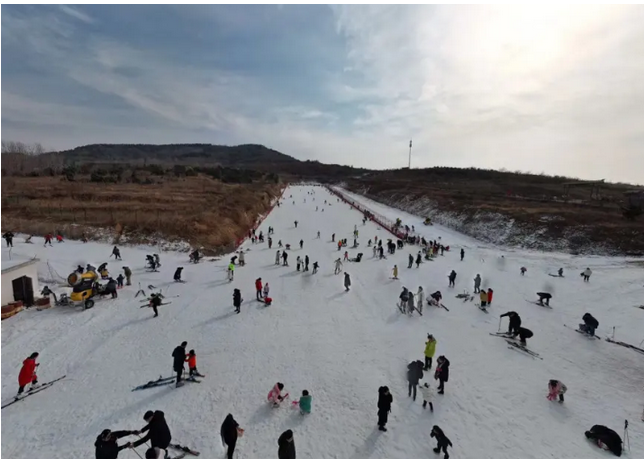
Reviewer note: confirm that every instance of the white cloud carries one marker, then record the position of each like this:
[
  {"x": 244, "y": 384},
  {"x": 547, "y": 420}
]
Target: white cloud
[{"x": 75, "y": 13}]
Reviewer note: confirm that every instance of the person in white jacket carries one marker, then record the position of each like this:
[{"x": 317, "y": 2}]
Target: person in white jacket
[
  {"x": 586, "y": 274},
  {"x": 556, "y": 388},
  {"x": 420, "y": 296},
  {"x": 277, "y": 258},
  {"x": 428, "y": 395},
  {"x": 266, "y": 289},
  {"x": 338, "y": 266},
  {"x": 242, "y": 260}
]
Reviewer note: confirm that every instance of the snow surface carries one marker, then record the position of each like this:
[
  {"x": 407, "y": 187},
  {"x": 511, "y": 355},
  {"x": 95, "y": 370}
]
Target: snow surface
[{"x": 339, "y": 345}]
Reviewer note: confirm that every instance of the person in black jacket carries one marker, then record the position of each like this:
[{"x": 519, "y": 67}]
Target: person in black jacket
[
  {"x": 515, "y": 321},
  {"x": 286, "y": 443},
  {"x": 229, "y": 434},
  {"x": 605, "y": 437},
  {"x": 237, "y": 300},
  {"x": 106, "y": 445},
  {"x": 155, "y": 302},
  {"x": 442, "y": 441},
  {"x": 442, "y": 373},
  {"x": 414, "y": 375},
  {"x": 179, "y": 355},
  {"x": 177, "y": 274},
  {"x": 384, "y": 406},
  {"x": 590, "y": 324},
  {"x": 158, "y": 432}
]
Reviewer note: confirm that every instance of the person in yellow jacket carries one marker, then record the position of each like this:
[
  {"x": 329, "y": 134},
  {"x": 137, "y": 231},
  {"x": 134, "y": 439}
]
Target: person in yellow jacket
[
  {"x": 483, "y": 296},
  {"x": 430, "y": 350}
]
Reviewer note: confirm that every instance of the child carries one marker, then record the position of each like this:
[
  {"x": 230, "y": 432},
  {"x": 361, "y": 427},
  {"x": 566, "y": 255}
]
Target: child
[
  {"x": 395, "y": 272},
  {"x": 483, "y": 296},
  {"x": 119, "y": 281},
  {"x": 490, "y": 292},
  {"x": 442, "y": 441},
  {"x": 275, "y": 395},
  {"x": 304, "y": 402},
  {"x": 192, "y": 364},
  {"x": 556, "y": 388},
  {"x": 266, "y": 290},
  {"x": 428, "y": 394}
]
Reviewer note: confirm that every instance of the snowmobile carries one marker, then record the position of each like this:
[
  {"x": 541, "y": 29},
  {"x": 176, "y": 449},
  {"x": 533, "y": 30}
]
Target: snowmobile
[{"x": 84, "y": 287}]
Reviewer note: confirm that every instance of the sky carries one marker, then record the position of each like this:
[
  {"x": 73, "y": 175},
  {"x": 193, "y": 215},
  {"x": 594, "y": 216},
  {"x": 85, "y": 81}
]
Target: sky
[{"x": 553, "y": 89}]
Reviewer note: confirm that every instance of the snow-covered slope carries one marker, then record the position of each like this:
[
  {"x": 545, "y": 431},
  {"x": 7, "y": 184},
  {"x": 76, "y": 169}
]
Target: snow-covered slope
[{"x": 339, "y": 345}]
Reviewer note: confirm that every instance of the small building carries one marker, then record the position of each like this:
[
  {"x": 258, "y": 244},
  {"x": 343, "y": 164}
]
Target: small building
[{"x": 19, "y": 279}]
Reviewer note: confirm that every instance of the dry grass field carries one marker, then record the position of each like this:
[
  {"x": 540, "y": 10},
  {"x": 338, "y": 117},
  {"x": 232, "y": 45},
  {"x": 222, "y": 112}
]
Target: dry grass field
[{"x": 198, "y": 209}]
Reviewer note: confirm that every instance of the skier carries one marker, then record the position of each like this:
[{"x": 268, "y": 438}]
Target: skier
[
  {"x": 414, "y": 375},
  {"x": 347, "y": 281},
  {"x": 586, "y": 274},
  {"x": 298, "y": 262},
  {"x": 419, "y": 259},
  {"x": 177, "y": 274},
  {"x": 556, "y": 388},
  {"x": 442, "y": 373},
  {"x": 195, "y": 256},
  {"x": 411, "y": 304},
  {"x": 192, "y": 365},
  {"x": 381, "y": 252},
  {"x": 315, "y": 267},
  {"x": 270, "y": 242},
  {"x": 277, "y": 258},
  {"x": 27, "y": 374},
  {"x": 296, "y": 223},
  {"x": 515, "y": 322},
  {"x": 285, "y": 258},
  {"x": 158, "y": 432},
  {"x": 346, "y": 256},
  {"x": 490, "y": 292},
  {"x": 560, "y": 272},
  {"x": 590, "y": 324},
  {"x": 286, "y": 445},
  {"x": 404, "y": 298},
  {"x": 306, "y": 263},
  {"x": 301, "y": 243},
  {"x": 544, "y": 296},
  {"x": 231, "y": 271},
  {"x": 48, "y": 238},
  {"x": 258, "y": 288},
  {"x": 421, "y": 296},
  {"x": 59, "y": 238},
  {"x": 436, "y": 298},
  {"x": 523, "y": 270},
  {"x": 119, "y": 281},
  {"x": 442, "y": 442},
  {"x": 157, "y": 259},
  {"x": 242, "y": 259},
  {"x": 237, "y": 300},
  {"x": 8, "y": 236},
  {"x": 428, "y": 395},
  {"x": 338, "y": 266},
  {"x": 229, "y": 434},
  {"x": 605, "y": 438},
  {"x": 155, "y": 302},
  {"x": 477, "y": 283},
  {"x": 411, "y": 261},
  {"x": 430, "y": 350},
  {"x": 275, "y": 395},
  {"x": 462, "y": 254},
  {"x": 318, "y": 235},
  {"x": 179, "y": 355},
  {"x": 333, "y": 237},
  {"x": 483, "y": 297},
  {"x": 452, "y": 278},
  {"x": 106, "y": 445},
  {"x": 523, "y": 334},
  {"x": 116, "y": 253},
  {"x": 384, "y": 407},
  {"x": 279, "y": 243},
  {"x": 395, "y": 271}
]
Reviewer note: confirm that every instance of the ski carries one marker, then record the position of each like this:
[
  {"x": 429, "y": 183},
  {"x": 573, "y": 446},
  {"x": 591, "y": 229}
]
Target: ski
[
  {"x": 148, "y": 306},
  {"x": 582, "y": 332},
  {"x": 502, "y": 335},
  {"x": 519, "y": 347},
  {"x": 159, "y": 382},
  {"x": 621, "y": 343},
  {"x": 40, "y": 388},
  {"x": 192, "y": 380},
  {"x": 185, "y": 449},
  {"x": 539, "y": 304},
  {"x": 482, "y": 308},
  {"x": 178, "y": 456}
]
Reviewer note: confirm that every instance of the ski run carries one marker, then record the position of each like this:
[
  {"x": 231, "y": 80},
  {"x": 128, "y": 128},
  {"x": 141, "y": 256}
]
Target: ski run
[{"x": 340, "y": 337}]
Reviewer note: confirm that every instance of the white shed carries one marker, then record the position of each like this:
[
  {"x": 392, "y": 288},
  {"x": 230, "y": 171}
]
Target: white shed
[{"x": 19, "y": 279}]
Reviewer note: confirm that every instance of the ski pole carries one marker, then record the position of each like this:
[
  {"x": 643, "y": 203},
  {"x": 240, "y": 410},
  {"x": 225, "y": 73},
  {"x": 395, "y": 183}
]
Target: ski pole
[
  {"x": 499, "y": 330},
  {"x": 137, "y": 453},
  {"x": 626, "y": 439}
]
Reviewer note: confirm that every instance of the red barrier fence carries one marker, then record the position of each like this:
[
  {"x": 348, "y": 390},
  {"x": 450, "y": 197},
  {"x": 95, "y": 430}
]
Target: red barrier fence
[{"x": 386, "y": 223}]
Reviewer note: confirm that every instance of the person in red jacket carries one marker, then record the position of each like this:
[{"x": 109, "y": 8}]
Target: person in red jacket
[
  {"x": 490, "y": 292},
  {"x": 28, "y": 373},
  {"x": 258, "y": 288}
]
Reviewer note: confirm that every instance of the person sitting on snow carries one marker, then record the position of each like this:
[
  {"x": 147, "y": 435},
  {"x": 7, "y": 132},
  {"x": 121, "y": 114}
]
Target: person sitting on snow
[
  {"x": 556, "y": 388},
  {"x": 275, "y": 395}
]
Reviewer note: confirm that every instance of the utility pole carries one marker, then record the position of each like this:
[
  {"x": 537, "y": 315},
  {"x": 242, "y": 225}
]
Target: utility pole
[{"x": 409, "y": 155}]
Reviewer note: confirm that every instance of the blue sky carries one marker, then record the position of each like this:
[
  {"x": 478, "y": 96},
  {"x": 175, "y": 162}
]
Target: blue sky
[{"x": 542, "y": 89}]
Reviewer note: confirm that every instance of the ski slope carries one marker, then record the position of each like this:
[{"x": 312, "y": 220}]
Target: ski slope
[{"x": 339, "y": 345}]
